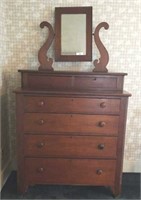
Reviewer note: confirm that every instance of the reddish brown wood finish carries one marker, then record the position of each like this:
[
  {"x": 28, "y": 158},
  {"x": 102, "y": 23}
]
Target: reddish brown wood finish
[
  {"x": 73, "y": 10},
  {"x": 69, "y": 131},
  {"x": 71, "y": 105},
  {"x": 70, "y": 171},
  {"x": 68, "y": 123},
  {"x": 72, "y": 146},
  {"x": 77, "y": 81},
  {"x": 101, "y": 63},
  {"x": 45, "y": 62}
]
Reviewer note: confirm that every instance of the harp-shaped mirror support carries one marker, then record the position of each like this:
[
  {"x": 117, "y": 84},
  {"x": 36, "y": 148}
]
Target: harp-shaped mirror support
[
  {"x": 44, "y": 60},
  {"x": 99, "y": 64}
]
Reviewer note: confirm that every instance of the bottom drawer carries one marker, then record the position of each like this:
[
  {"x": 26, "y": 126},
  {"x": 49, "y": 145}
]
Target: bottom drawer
[{"x": 70, "y": 171}]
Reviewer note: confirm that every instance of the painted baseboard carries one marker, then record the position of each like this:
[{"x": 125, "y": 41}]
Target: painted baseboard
[
  {"x": 5, "y": 173},
  {"x": 132, "y": 166}
]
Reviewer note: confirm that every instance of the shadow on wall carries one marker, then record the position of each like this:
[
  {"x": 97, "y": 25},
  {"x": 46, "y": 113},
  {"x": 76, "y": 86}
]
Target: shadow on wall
[{"x": 5, "y": 137}]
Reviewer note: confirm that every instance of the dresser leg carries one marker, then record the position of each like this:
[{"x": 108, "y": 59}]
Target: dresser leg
[
  {"x": 116, "y": 191},
  {"x": 22, "y": 188}
]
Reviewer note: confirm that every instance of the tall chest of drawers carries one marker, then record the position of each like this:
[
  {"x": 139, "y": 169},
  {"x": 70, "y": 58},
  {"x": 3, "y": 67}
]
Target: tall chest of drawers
[{"x": 71, "y": 129}]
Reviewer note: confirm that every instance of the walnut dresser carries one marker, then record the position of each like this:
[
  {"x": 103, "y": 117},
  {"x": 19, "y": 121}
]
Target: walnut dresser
[{"x": 71, "y": 128}]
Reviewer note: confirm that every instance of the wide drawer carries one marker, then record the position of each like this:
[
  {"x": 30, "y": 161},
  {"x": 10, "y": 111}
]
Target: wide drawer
[
  {"x": 66, "y": 123},
  {"x": 70, "y": 146},
  {"x": 71, "y": 105},
  {"x": 70, "y": 171},
  {"x": 55, "y": 80}
]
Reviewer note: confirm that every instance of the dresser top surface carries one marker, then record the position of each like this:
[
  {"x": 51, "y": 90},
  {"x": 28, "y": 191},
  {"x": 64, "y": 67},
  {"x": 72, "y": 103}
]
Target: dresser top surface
[
  {"x": 72, "y": 92},
  {"x": 71, "y": 73}
]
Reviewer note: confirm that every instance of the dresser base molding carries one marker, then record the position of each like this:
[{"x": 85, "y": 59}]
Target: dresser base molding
[{"x": 71, "y": 129}]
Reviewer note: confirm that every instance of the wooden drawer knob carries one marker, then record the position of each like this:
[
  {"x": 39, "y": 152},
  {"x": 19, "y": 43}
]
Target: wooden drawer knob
[
  {"x": 40, "y": 169},
  {"x": 102, "y": 124},
  {"x": 40, "y": 144},
  {"x": 99, "y": 171},
  {"x": 103, "y": 105},
  {"x": 41, "y": 103},
  {"x": 101, "y": 146},
  {"x": 41, "y": 122}
]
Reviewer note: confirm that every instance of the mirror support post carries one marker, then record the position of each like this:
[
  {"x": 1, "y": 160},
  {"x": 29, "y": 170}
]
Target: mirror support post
[
  {"x": 101, "y": 63},
  {"x": 44, "y": 60}
]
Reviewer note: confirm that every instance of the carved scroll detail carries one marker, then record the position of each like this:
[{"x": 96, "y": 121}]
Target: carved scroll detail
[
  {"x": 44, "y": 60},
  {"x": 100, "y": 64}
]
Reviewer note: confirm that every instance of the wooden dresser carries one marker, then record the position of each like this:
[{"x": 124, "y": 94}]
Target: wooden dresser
[{"x": 71, "y": 128}]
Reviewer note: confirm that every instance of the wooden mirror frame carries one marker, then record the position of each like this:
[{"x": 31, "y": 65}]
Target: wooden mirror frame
[
  {"x": 46, "y": 62},
  {"x": 73, "y": 10}
]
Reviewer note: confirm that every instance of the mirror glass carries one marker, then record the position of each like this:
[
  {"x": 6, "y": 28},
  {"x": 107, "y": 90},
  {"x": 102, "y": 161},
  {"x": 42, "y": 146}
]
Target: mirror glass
[
  {"x": 73, "y": 34},
  {"x": 69, "y": 29}
]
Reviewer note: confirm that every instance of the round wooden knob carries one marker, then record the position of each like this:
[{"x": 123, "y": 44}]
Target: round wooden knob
[
  {"x": 41, "y": 103},
  {"x": 101, "y": 146},
  {"x": 103, "y": 105},
  {"x": 99, "y": 171},
  {"x": 40, "y": 169},
  {"x": 41, "y": 122},
  {"x": 40, "y": 144},
  {"x": 102, "y": 124}
]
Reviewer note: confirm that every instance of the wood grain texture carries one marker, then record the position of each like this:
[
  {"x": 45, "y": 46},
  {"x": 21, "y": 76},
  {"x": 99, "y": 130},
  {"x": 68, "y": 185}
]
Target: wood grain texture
[
  {"x": 72, "y": 146},
  {"x": 70, "y": 171},
  {"x": 71, "y": 105},
  {"x": 68, "y": 123},
  {"x": 69, "y": 130},
  {"x": 67, "y": 81},
  {"x": 44, "y": 60},
  {"x": 101, "y": 63}
]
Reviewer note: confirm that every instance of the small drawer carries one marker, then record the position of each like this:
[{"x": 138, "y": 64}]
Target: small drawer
[
  {"x": 96, "y": 82},
  {"x": 70, "y": 146},
  {"x": 74, "y": 123},
  {"x": 71, "y": 105},
  {"x": 70, "y": 171}
]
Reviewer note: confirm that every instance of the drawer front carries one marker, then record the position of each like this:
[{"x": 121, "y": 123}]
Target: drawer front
[
  {"x": 70, "y": 146},
  {"x": 72, "y": 81},
  {"x": 71, "y": 105},
  {"x": 70, "y": 171},
  {"x": 66, "y": 123}
]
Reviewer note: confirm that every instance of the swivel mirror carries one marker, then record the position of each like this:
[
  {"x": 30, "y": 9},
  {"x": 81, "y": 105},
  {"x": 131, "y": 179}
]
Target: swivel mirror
[{"x": 73, "y": 30}]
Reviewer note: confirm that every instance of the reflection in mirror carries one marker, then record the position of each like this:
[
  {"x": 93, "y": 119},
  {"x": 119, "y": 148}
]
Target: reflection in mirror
[
  {"x": 73, "y": 33},
  {"x": 69, "y": 29}
]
